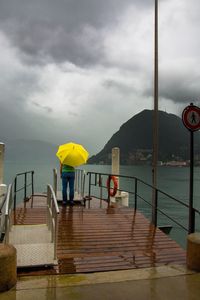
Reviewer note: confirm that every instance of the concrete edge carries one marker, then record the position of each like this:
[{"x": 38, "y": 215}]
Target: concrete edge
[{"x": 51, "y": 281}]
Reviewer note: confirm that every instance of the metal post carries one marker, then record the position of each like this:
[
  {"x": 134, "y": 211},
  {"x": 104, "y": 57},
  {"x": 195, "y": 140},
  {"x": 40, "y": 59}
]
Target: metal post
[
  {"x": 155, "y": 114},
  {"x": 95, "y": 179},
  {"x": 15, "y": 192},
  {"x": 154, "y": 209},
  {"x": 83, "y": 184},
  {"x": 191, "y": 209},
  {"x": 100, "y": 185},
  {"x": 32, "y": 188},
  {"x": 89, "y": 189},
  {"x": 115, "y": 163},
  {"x": 2, "y": 186},
  {"x": 48, "y": 206},
  {"x": 109, "y": 190},
  {"x": 135, "y": 193},
  {"x": 78, "y": 181},
  {"x": 25, "y": 183},
  {"x": 55, "y": 181},
  {"x": 55, "y": 235},
  {"x": 2, "y": 150}
]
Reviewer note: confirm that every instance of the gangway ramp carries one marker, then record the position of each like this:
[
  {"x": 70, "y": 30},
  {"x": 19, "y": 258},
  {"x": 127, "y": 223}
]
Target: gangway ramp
[{"x": 33, "y": 245}]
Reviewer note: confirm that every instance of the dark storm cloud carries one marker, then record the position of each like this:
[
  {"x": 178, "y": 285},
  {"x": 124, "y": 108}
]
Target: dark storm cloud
[
  {"x": 47, "y": 109},
  {"x": 67, "y": 64},
  {"x": 119, "y": 86},
  {"x": 179, "y": 90},
  {"x": 57, "y": 30}
]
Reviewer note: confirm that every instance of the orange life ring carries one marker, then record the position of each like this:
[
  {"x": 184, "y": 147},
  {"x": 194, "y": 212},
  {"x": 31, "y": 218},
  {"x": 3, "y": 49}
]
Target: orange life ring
[{"x": 112, "y": 191}]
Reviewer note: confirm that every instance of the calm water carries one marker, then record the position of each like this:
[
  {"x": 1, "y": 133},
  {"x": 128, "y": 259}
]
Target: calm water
[{"x": 172, "y": 180}]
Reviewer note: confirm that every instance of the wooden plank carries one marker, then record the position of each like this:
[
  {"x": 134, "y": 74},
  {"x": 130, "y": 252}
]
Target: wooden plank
[{"x": 104, "y": 239}]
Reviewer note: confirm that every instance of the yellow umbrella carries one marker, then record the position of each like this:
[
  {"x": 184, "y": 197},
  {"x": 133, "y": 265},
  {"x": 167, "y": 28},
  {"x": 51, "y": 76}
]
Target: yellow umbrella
[{"x": 72, "y": 154}]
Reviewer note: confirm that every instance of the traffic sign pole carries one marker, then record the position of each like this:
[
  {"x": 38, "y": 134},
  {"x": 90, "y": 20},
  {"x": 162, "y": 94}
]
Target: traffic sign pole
[
  {"x": 191, "y": 120},
  {"x": 191, "y": 209}
]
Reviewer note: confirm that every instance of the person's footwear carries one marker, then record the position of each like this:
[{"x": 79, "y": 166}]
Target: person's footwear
[
  {"x": 64, "y": 203},
  {"x": 71, "y": 203}
]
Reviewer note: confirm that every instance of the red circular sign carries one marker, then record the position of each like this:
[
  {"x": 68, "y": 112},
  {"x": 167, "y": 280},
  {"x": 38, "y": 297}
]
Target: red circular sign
[{"x": 191, "y": 117}]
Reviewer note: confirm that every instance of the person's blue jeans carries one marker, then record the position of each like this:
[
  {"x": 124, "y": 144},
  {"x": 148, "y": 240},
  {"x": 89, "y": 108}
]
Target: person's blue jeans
[{"x": 68, "y": 178}]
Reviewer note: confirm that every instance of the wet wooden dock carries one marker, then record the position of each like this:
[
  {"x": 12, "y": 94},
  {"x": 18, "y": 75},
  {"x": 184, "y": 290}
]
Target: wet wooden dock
[{"x": 102, "y": 239}]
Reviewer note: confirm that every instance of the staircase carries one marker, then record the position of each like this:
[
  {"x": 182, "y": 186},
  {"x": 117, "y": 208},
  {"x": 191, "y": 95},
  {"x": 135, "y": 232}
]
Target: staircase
[
  {"x": 32, "y": 228},
  {"x": 33, "y": 245}
]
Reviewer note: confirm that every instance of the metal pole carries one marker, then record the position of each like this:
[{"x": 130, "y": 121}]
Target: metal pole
[
  {"x": 25, "y": 184},
  {"x": 2, "y": 150},
  {"x": 89, "y": 189},
  {"x": 55, "y": 181},
  {"x": 83, "y": 186},
  {"x": 191, "y": 210},
  {"x": 15, "y": 192},
  {"x": 32, "y": 188},
  {"x": 116, "y": 163},
  {"x": 32, "y": 182},
  {"x": 155, "y": 114},
  {"x": 135, "y": 193},
  {"x": 48, "y": 206},
  {"x": 100, "y": 184}
]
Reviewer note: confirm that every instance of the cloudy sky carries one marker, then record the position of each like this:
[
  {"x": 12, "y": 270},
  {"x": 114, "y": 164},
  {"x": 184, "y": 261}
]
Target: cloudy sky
[{"x": 76, "y": 70}]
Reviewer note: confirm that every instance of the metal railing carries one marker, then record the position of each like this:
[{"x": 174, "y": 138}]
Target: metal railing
[
  {"x": 10, "y": 202},
  {"x": 136, "y": 190},
  {"x": 25, "y": 175},
  {"x": 80, "y": 182},
  {"x": 52, "y": 212},
  {"x": 8, "y": 215},
  {"x": 55, "y": 181},
  {"x": 52, "y": 215},
  {"x": 2, "y": 215}
]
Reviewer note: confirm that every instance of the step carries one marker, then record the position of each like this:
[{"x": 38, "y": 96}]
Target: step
[
  {"x": 33, "y": 245},
  {"x": 29, "y": 255},
  {"x": 29, "y": 234}
]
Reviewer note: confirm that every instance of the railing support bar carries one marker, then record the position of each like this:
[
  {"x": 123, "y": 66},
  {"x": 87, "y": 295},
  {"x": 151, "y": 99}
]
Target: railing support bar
[
  {"x": 25, "y": 183},
  {"x": 15, "y": 193},
  {"x": 154, "y": 208},
  {"x": 136, "y": 193},
  {"x": 89, "y": 188}
]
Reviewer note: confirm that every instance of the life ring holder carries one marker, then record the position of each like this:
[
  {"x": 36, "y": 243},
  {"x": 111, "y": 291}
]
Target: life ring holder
[{"x": 112, "y": 191}]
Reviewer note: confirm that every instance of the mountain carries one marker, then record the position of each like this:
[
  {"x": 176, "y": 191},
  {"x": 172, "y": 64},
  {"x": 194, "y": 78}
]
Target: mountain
[{"x": 135, "y": 140}]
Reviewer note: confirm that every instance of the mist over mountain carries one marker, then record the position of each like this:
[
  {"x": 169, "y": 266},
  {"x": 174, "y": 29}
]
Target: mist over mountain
[
  {"x": 135, "y": 140},
  {"x": 29, "y": 150}
]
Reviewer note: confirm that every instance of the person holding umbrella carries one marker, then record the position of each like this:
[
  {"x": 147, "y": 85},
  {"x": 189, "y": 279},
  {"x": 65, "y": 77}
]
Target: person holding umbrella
[
  {"x": 67, "y": 174},
  {"x": 70, "y": 155}
]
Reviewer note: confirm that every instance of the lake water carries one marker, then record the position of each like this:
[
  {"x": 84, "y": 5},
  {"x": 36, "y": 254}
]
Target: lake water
[{"x": 172, "y": 180}]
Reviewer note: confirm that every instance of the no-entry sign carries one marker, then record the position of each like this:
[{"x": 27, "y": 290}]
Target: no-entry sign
[{"x": 191, "y": 117}]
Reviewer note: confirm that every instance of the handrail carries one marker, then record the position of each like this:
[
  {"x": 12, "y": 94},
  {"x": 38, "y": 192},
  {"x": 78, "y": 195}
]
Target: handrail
[
  {"x": 80, "y": 182},
  {"x": 2, "y": 215},
  {"x": 3, "y": 202},
  {"x": 55, "y": 181},
  {"x": 8, "y": 205},
  {"x": 135, "y": 192},
  {"x": 52, "y": 212},
  {"x": 24, "y": 187}
]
